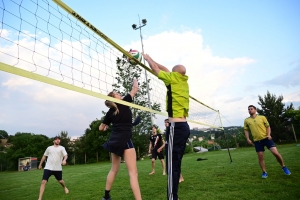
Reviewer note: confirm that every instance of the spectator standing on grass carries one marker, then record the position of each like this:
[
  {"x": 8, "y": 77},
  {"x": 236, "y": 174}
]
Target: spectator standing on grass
[
  {"x": 56, "y": 157},
  {"x": 260, "y": 129},
  {"x": 156, "y": 147}
]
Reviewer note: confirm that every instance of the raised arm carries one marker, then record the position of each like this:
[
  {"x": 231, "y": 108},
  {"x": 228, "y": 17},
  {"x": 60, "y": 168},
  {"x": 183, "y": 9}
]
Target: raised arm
[
  {"x": 161, "y": 67},
  {"x": 156, "y": 67},
  {"x": 135, "y": 87}
]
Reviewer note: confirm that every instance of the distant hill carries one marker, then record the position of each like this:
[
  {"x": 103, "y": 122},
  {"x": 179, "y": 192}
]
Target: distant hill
[{"x": 206, "y": 132}]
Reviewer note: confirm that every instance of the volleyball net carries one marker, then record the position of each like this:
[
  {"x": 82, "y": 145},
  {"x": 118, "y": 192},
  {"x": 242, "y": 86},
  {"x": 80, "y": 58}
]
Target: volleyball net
[{"x": 49, "y": 42}]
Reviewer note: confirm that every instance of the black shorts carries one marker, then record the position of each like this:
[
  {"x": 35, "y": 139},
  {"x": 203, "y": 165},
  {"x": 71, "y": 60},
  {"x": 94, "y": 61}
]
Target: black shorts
[
  {"x": 48, "y": 173},
  {"x": 155, "y": 154}
]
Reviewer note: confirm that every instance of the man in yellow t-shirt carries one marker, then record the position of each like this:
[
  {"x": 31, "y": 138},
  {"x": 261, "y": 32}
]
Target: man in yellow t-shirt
[{"x": 260, "y": 129}]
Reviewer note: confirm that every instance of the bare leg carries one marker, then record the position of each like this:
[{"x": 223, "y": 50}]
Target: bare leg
[
  {"x": 42, "y": 189},
  {"x": 130, "y": 160},
  {"x": 64, "y": 186},
  {"x": 261, "y": 160},
  {"x": 153, "y": 166},
  {"x": 277, "y": 155},
  {"x": 163, "y": 166},
  {"x": 115, "y": 165},
  {"x": 181, "y": 178}
]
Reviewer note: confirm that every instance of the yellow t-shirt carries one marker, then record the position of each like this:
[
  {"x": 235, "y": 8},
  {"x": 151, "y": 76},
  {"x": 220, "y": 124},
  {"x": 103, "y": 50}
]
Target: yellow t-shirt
[
  {"x": 257, "y": 126},
  {"x": 177, "y": 100}
]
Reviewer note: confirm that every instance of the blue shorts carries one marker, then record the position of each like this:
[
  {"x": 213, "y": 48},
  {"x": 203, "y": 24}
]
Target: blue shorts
[
  {"x": 48, "y": 173},
  {"x": 259, "y": 145}
]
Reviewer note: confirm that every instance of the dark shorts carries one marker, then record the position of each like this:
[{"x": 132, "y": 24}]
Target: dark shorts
[
  {"x": 118, "y": 150},
  {"x": 48, "y": 173},
  {"x": 129, "y": 145},
  {"x": 155, "y": 154},
  {"x": 259, "y": 145}
]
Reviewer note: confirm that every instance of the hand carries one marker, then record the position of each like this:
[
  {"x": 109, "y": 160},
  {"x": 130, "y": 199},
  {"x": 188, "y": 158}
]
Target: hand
[
  {"x": 64, "y": 162},
  {"x": 146, "y": 57},
  {"x": 40, "y": 167},
  {"x": 149, "y": 151},
  {"x": 269, "y": 137},
  {"x": 159, "y": 150},
  {"x": 250, "y": 142},
  {"x": 105, "y": 127}
]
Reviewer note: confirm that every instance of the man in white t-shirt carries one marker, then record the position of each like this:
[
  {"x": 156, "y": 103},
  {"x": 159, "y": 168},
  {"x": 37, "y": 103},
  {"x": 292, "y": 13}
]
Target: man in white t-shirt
[{"x": 57, "y": 157}]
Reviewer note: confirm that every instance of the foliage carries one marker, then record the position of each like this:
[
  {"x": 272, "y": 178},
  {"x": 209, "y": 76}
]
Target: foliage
[
  {"x": 273, "y": 109},
  {"x": 293, "y": 121},
  {"x": 26, "y": 145},
  {"x": 88, "y": 149},
  {"x": 125, "y": 75},
  {"x": 3, "y": 134}
]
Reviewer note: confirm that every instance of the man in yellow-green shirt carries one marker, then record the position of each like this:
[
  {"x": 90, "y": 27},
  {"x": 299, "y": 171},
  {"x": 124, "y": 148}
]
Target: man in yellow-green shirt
[
  {"x": 260, "y": 129},
  {"x": 178, "y": 130}
]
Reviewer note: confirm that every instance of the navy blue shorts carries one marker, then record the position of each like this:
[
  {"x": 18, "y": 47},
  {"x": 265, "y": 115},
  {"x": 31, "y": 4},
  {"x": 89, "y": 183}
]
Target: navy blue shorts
[
  {"x": 48, "y": 173},
  {"x": 129, "y": 144},
  {"x": 259, "y": 145}
]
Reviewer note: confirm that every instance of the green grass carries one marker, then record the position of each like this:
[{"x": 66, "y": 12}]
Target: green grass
[{"x": 215, "y": 178}]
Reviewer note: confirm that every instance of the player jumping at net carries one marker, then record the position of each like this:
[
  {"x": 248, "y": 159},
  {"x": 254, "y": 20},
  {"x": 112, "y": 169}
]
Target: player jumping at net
[
  {"x": 181, "y": 179},
  {"x": 156, "y": 146},
  {"x": 177, "y": 102},
  {"x": 57, "y": 156},
  {"x": 260, "y": 129},
  {"x": 119, "y": 143}
]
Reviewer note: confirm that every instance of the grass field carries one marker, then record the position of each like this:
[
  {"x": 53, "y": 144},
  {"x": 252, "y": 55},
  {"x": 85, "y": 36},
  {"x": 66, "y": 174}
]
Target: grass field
[{"x": 214, "y": 178}]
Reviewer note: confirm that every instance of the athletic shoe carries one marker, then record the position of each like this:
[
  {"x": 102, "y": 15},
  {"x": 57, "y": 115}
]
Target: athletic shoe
[
  {"x": 286, "y": 170},
  {"x": 106, "y": 199},
  {"x": 264, "y": 175}
]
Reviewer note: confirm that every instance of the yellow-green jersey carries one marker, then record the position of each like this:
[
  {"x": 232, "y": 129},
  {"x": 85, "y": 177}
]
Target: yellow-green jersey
[
  {"x": 257, "y": 126},
  {"x": 177, "y": 100}
]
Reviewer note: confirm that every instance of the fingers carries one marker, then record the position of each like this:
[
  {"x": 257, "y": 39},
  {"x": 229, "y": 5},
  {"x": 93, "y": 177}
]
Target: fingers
[{"x": 105, "y": 127}]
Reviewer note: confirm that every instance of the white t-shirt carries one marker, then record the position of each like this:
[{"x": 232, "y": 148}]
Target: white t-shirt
[{"x": 55, "y": 156}]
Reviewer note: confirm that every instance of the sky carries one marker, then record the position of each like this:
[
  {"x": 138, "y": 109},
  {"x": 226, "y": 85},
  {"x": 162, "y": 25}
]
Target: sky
[{"x": 233, "y": 51}]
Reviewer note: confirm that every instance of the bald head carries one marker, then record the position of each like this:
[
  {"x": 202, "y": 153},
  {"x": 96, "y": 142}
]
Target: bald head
[{"x": 180, "y": 69}]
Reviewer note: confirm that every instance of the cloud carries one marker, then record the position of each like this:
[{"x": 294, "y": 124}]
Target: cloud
[
  {"x": 233, "y": 100},
  {"x": 212, "y": 80},
  {"x": 170, "y": 48},
  {"x": 288, "y": 79}
]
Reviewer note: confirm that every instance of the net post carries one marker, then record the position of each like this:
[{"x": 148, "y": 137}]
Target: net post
[{"x": 225, "y": 137}]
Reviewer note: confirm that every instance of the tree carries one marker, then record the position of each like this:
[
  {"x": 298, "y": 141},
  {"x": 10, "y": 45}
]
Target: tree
[
  {"x": 273, "y": 109},
  {"x": 3, "y": 134},
  {"x": 26, "y": 145},
  {"x": 89, "y": 147},
  {"x": 293, "y": 119},
  {"x": 125, "y": 75}
]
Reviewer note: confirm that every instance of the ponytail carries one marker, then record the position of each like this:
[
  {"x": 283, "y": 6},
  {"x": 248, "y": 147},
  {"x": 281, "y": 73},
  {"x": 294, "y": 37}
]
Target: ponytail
[{"x": 111, "y": 104}]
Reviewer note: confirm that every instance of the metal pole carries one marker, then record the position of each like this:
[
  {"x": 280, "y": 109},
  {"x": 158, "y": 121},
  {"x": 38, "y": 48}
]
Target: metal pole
[
  {"x": 225, "y": 138},
  {"x": 149, "y": 102},
  {"x": 294, "y": 133}
]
